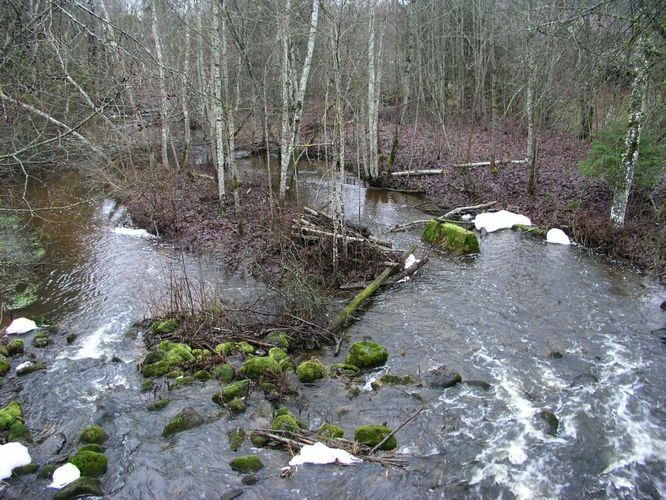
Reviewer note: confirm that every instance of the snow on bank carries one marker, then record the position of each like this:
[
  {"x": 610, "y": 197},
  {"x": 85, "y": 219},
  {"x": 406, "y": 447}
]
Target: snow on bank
[
  {"x": 64, "y": 475},
  {"x": 319, "y": 453},
  {"x": 557, "y": 236},
  {"x": 21, "y": 325},
  {"x": 12, "y": 455},
  {"x": 494, "y": 221}
]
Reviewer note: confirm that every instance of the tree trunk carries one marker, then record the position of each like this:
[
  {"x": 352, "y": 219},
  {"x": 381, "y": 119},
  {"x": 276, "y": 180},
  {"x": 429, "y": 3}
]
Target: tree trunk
[
  {"x": 187, "y": 139},
  {"x": 164, "y": 119},
  {"x": 216, "y": 104}
]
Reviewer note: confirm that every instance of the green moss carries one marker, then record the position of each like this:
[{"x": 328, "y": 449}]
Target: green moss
[
  {"x": 154, "y": 356},
  {"x": 345, "y": 369},
  {"x": 90, "y": 463},
  {"x": 311, "y": 370},
  {"x": 278, "y": 339},
  {"x": 450, "y": 237},
  {"x": 166, "y": 326},
  {"x": 19, "y": 432},
  {"x": 287, "y": 423},
  {"x": 366, "y": 355},
  {"x": 536, "y": 231},
  {"x": 91, "y": 447},
  {"x": 236, "y": 439},
  {"x": 147, "y": 385},
  {"x": 84, "y": 486},
  {"x": 174, "y": 374},
  {"x": 330, "y": 431},
  {"x": 283, "y": 410},
  {"x": 226, "y": 348},
  {"x": 180, "y": 381},
  {"x": 244, "y": 348},
  {"x": 4, "y": 365},
  {"x": 26, "y": 469},
  {"x": 156, "y": 369},
  {"x": 258, "y": 440},
  {"x": 15, "y": 347},
  {"x": 237, "y": 405},
  {"x": 10, "y": 414},
  {"x": 185, "y": 419},
  {"x": 246, "y": 463},
  {"x": 201, "y": 353},
  {"x": 93, "y": 434},
  {"x": 179, "y": 353},
  {"x": 4, "y": 351},
  {"x": 41, "y": 340},
  {"x": 158, "y": 405},
  {"x": 396, "y": 380},
  {"x": 260, "y": 368},
  {"x": 224, "y": 372},
  {"x": 202, "y": 375},
  {"x": 47, "y": 471},
  {"x": 278, "y": 354},
  {"x": 287, "y": 365},
  {"x": 372, "y": 435},
  {"x": 238, "y": 389}
]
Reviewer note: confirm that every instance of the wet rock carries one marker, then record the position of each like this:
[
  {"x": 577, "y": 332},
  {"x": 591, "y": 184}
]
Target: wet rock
[
  {"x": 396, "y": 379},
  {"x": 116, "y": 359},
  {"x": 224, "y": 372},
  {"x": 90, "y": 463},
  {"x": 258, "y": 440},
  {"x": 555, "y": 355},
  {"x": 442, "y": 377},
  {"x": 238, "y": 389},
  {"x": 250, "y": 479},
  {"x": 237, "y": 405},
  {"x": 353, "y": 392},
  {"x": 158, "y": 405},
  {"x": 154, "y": 356},
  {"x": 535, "y": 231},
  {"x": 260, "y": 368},
  {"x": 366, "y": 355},
  {"x": 187, "y": 418},
  {"x": 246, "y": 463},
  {"x": 4, "y": 365},
  {"x": 25, "y": 470},
  {"x": 345, "y": 370},
  {"x": 15, "y": 347},
  {"x": 166, "y": 326},
  {"x": 236, "y": 439},
  {"x": 330, "y": 431},
  {"x": 71, "y": 338},
  {"x": 158, "y": 369},
  {"x": 663, "y": 305},
  {"x": 41, "y": 340},
  {"x": 450, "y": 237},
  {"x": 278, "y": 339},
  {"x": 29, "y": 367},
  {"x": 84, "y": 486},
  {"x": 584, "y": 379},
  {"x": 91, "y": 447},
  {"x": 547, "y": 422},
  {"x": 287, "y": 423},
  {"x": 9, "y": 415},
  {"x": 147, "y": 385},
  {"x": 93, "y": 434},
  {"x": 180, "y": 381},
  {"x": 52, "y": 445},
  {"x": 311, "y": 370},
  {"x": 47, "y": 471},
  {"x": 372, "y": 435},
  {"x": 479, "y": 384}
]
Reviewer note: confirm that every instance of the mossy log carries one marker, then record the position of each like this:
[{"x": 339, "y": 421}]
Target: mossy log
[{"x": 343, "y": 316}]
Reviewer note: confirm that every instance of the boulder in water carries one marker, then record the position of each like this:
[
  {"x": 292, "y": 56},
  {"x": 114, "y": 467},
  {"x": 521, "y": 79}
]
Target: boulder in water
[
  {"x": 309, "y": 371},
  {"x": 366, "y": 355},
  {"x": 41, "y": 340},
  {"x": 20, "y": 326},
  {"x": 84, "y": 486},
  {"x": 187, "y": 418},
  {"x": 29, "y": 367},
  {"x": 450, "y": 237},
  {"x": 15, "y": 347},
  {"x": 4, "y": 365},
  {"x": 372, "y": 435},
  {"x": 93, "y": 434},
  {"x": 330, "y": 431},
  {"x": 443, "y": 377},
  {"x": 278, "y": 339},
  {"x": 547, "y": 422},
  {"x": 263, "y": 367},
  {"x": 246, "y": 463},
  {"x": 90, "y": 463}
]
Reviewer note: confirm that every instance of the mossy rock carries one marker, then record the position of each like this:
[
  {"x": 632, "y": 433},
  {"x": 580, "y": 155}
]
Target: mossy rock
[
  {"x": 372, "y": 435},
  {"x": 91, "y": 447},
  {"x": 236, "y": 439},
  {"x": 158, "y": 405},
  {"x": 147, "y": 385},
  {"x": 330, "y": 431},
  {"x": 535, "y": 231},
  {"x": 202, "y": 375},
  {"x": 237, "y": 405},
  {"x": 15, "y": 347},
  {"x": 278, "y": 354},
  {"x": 258, "y": 440},
  {"x": 234, "y": 390},
  {"x": 26, "y": 470},
  {"x": 345, "y": 369},
  {"x": 158, "y": 369},
  {"x": 396, "y": 379},
  {"x": 179, "y": 353},
  {"x": 180, "y": 381},
  {"x": 187, "y": 418},
  {"x": 46, "y": 472},
  {"x": 154, "y": 356},
  {"x": 244, "y": 348},
  {"x": 93, "y": 434},
  {"x": 547, "y": 421},
  {"x": 260, "y": 368},
  {"x": 90, "y": 463},
  {"x": 201, "y": 353},
  {"x": 224, "y": 372},
  {"x": 166, "y": 326},
  {"x": 4, "y": 365},
  {"x": 283, "y": 410},
  {"x": 19, "y": 432},
  {"x": 32, "y": 366},
  {"x": 287, "y": 423},
  {"x": 174, "y": 374},
  {"x": 4, "y": 351},
  {"x": 226, "y": 348},
  {"x": 84, "y": 486},
  {"x": 450, "y": 237},
  {"x": 246, "y": 463},
  {"x": 278, "y": 339},
  {"x": 10, "y": 414},
  {"x": 309, "y": 371},
  {"x": 41, "y": 340},
  {"x": 366, "y": 355},
  {"x": 287, "y": 365},
  {"x": 442, "y": 377}
]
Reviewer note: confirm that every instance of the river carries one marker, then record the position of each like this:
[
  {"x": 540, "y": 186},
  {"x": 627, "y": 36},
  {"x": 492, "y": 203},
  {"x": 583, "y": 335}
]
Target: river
[{"x": 499, "y": 318}]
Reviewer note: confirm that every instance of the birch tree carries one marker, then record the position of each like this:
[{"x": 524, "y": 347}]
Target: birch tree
[
  {"x": 374, "y": 91},
  {"x": 216, "y": 103},
  {"x": 164, "y": 98}
]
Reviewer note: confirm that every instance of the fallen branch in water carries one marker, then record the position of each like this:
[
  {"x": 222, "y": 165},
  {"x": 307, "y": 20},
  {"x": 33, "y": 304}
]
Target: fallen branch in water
[
  {"x": 392, "y": 280},
  {"x": 389, "y": 436},
  {"x": 443, "y": 218}
]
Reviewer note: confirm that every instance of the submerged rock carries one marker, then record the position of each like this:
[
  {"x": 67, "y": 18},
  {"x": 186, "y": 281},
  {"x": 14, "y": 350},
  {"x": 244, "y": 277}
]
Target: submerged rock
[
  {"x": 479, "y": 384},
  {"x": 236, "y": 439},
  {"x": 246, "y": 463},
  {"x": 311, "y": 370},
  {"x": 450, "y": 237},
  {"x": 372, "y": 435},
  {"x": 93, "y": 434},
  {"x": 547, "y": 422},
  {"x": 345, "y": 369},
  {"x": 15, "y": 347},
  {"x": 187, "y": 418},
  {"x": 442, "y": 377},
  {"x": 260, "y": 368},
  {"x": 84, "y": 486},
  {"x": 90, "y": 463},
  {"x": 29, "y": 367},
  {"x": 366, "y": 355},
  {"x": 41, "y": 340},
  {"x": 158, "y": 405},
  {"x": 396, "y": 379},
  {"x": 584, "y": 379}
]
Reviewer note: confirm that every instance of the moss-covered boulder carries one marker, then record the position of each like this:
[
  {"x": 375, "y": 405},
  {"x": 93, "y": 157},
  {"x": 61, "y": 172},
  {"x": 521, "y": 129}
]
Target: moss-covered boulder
[
  {"x": 309, "y": 371},
  {"x": 15, "y": 347},
  {"x": 90, "y": 463},
  {"x": 236, "y": 439},
  {"x": 287, "y": 423},
  {"x": 258, "y": 368},
  {"x": 93, "y": 434},
  {"x": 47, "y": 471},
  {"x": 180, "y": 381},
  {"x": 4, "y": 351},
  {"x": 187, "y": 418},
  {"x": 201, "y": 353},
  {"x": 258, "y": 440},
  {"x": 224, "y": 372},
  {"x": 158, "y": 405},
  {"x": 246, "y": 463},
  {"x": 18, "y": 432},
  {"x": 179, "y": 353},
  {"x": 82, "y": 487},
  {"x": 154, "y": 356},
  {"x": 389, "y": 379},
  {"x": 450, "y": 237},
  {"x": 536, "y": 231},
  {"x": 330, "y": 431},
  {"x": 91, "y": 447},
  {"x": 231, "y": 391},
  {"x": 10, "y": 414},
  {"x": 278, "y": 339},
  {"x": 372, "y": 435},
  {"x": 41, "y": 340},
  {"x": 344, "y": 369},
  {"x": 226, "y": 348},
  {"x": 4, "y": 365},
  {"x": 158, "y": 369},
  {"x": 237, "y": 405},
  {"x": 174, "y": 374},
  {"x": 147, "y": 385},
  {"x": 166, "y": 326},
  {"x": 277, "y": 354},
  {"x": 547, "y": 422},
  {"x": 244, "y": 348},
  {"x": 202, "y": 375},
  {"x": 366, "y": 355}
]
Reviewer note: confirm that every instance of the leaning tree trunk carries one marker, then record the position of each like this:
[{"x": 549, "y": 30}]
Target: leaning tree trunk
[{"x": 632, "y": 141}]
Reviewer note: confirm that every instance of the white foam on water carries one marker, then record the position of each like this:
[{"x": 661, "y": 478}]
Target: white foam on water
[
  {"x": 107, "y": 206},
  {"x": 134, "y": 232}
]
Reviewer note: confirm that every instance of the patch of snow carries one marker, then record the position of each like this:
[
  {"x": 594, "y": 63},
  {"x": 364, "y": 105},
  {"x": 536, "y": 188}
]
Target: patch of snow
[
  {"x": 12, "y": 455},
  {"x": 467, "y": 217},
  {"x": 23, "y": 366},
  {"x": 494, "y": 221},
  {"x": 557, "y": 236},
  {"x": 131, "y": 231},
  {"x": 21, "y": 325},
  {"x": 411, "y": 260},
  {"x": 319, "y": 453},
  {"x": 64, "y": 475}
]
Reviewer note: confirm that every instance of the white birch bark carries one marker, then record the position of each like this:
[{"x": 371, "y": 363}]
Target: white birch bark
[
  {"x": 286, "y": 84},
  {"x": 216, "y": 103},
  {"x": 164, "y": 119},
  {"x": 372, "y": 103},
  {"x": 632, "y": 141},
  {"x": 183, "y": 99}
]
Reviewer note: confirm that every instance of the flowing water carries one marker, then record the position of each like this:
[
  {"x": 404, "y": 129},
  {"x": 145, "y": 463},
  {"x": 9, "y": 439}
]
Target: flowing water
[{"x": 496, "y": 318}]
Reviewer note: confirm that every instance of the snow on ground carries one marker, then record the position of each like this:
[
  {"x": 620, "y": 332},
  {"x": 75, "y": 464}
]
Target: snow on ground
[{"x": 494, "y": 221}]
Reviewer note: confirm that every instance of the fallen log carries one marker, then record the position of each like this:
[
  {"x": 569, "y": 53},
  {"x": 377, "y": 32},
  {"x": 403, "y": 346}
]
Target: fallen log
[
  {"x": 440, "y": 171},
  {"x": 467, "y": 209},
  {"x": 442, "y": 218},
  {"x": 392, "y": 280},
  {"x": 392, "y": 190},
  {"x": 436, "y": 171},
  {"x": 343, "y": 316}
]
